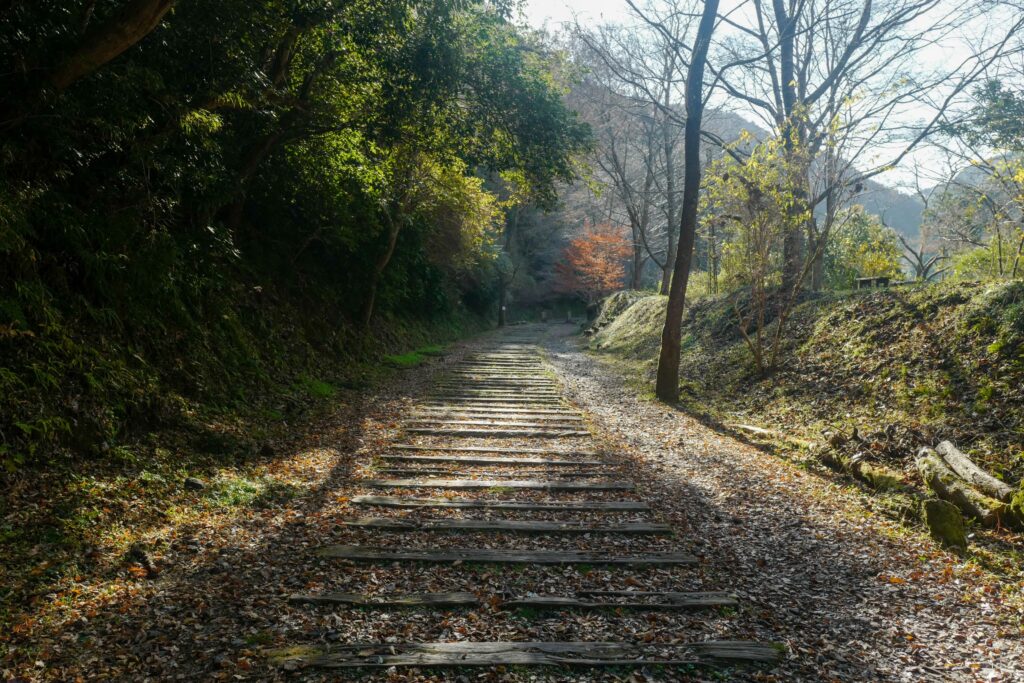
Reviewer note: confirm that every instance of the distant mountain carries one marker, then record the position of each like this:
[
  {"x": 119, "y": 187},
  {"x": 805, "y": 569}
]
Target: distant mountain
[{"x": 900, "y": 211}]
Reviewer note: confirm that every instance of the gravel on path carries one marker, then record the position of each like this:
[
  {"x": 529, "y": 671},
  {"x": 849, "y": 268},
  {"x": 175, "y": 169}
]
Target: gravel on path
[{"x": 854, "y": 596}]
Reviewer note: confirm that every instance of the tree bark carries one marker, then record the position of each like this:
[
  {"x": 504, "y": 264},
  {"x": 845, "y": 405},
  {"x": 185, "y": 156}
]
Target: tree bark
[
  {"x": 667, "y": 386},
  {"x": 947, "y": 486},
  {"x": 793, "y": 242},
  {"x": 974, "y": 475},
  {"x": 135, "y": 21},
  {"x": 394, "y": 225},
  {"x": 251, "y": 161},
  {"x": 1016, "y": 259},
  {"x": 638, "y": 266},
  {"x": 670, "y": 200}
]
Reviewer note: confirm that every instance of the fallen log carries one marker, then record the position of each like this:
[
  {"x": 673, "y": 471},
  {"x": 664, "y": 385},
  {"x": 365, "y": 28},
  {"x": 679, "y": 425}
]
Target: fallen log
[
  {"x": 769, "y": 434},
  {"x": 944, "y": 482},
  {"x": 878, "y": 477},
  {"x": 971, "y": 473}
]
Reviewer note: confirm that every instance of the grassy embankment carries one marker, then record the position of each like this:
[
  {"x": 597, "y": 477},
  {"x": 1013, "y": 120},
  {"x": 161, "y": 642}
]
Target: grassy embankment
[
  {"x": 904, "y": 367},
  {"x": 103, "y": 425}
]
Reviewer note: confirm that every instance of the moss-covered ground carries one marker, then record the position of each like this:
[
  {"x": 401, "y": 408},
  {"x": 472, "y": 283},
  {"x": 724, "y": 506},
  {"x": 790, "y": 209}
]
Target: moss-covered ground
[
  {"x": 75, "y": 500},
  {"x": 905, "y": 367}
]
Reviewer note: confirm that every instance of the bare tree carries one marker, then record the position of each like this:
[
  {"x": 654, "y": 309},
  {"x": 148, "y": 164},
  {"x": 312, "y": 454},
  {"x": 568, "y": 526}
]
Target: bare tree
[
  {"x": 643, "y": 69},
  {"x": 626, "y": 156},
  {"x": 923, "y": 259},
  {"x": 842, "y": 77},
  {"x": 667, "y": 386}
]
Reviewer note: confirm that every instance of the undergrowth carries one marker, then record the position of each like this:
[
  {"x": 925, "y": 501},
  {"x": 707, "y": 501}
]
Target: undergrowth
[
  {"x": 107, "y": 414},
  {"x": 943, "y": 361}
]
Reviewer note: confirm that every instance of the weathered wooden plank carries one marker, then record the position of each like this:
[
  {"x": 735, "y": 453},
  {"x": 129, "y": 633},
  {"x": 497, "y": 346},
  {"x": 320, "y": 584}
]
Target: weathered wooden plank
[
  {"x": 649, "y": 601},
  {"x": 526, "y": 405},
  {"x": 403, "y": 600},
  {"x": 514, "y": 474},
  {"x": 529, "y": 364},
  {"x": 472, "y": 472},
  {"x": 422, "y": 416},
  {"x": 497, "y": 401},
  {"x": 519, "y": 375},
  {"x": 489, "y": 449},
  {"x": 497, "y": 504},
  {"x": 535, "y": 374},
  {"x": 523, "y": 404},
  {"x": 496, "y": 422},
  {"x": 498, "y": 386},
  {"x": 489, "y": 555},
  {"x": 553, "y": 413},
  {"x": 459, "y": 398},
  {"x": 545, "y": 484},
  {"x": 473, "y": 386},
  {"x": 584, "y": 654},
  {"x": 530, "y": 369},
  {"x": 491, "y": 389},
  {"x": 483, "y": 460},
  {"x": 497, "y": 433},
  {"x": 484, "y": 410},
  {"x": 468, "y": 386},
  {"x": 664, "y": 601},
  {"x": 468, "y": 389},
  {"x": 508, "y": 525},
  {"x": 466, "y": 392}
]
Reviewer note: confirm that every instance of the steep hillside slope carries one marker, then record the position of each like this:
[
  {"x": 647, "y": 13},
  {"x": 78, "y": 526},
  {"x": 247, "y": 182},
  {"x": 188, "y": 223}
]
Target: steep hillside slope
[{"x": 904, "y": 367}]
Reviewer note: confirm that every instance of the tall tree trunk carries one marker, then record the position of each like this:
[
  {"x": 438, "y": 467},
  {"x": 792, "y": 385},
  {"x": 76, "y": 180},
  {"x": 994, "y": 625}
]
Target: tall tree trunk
[
  {"x": 670, "y": 200},
  {"x": 636, "y": 277},
  {"x": 394, "y": 225},
  {"x": 818, "y": 267},
  {"x": 793, "y": 241},
  {"x": 817, "y": 240},
  {"x": 1016, "y": 259},
  {"x": 135, "y": 21},
  {"x": 999, "y": 250},
  {"x": 667, "y": 387}
]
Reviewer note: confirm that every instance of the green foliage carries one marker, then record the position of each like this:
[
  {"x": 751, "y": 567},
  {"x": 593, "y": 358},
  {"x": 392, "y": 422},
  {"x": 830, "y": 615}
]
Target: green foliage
[
  {"x": 414, "y": 358},
  {"x": 758, "y": 202},
  {"x": 316, "y": 387},
  {"x": 860, "y": 247},
  {"x": 981, "y": 218},
  {"x": 998, "y": 119},
  {"x": 930, "y": 362},
  {"x": 205, "y": 216}
]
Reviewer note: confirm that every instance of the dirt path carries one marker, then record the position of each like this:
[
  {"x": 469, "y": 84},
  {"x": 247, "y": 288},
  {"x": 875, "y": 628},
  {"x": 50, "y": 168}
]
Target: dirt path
[
  {"x": 853, "y": 595},
  {"x": 519, "y": 498}
]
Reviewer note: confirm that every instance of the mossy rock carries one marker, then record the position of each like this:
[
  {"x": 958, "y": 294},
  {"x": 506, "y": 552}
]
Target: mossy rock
[{"x": 946, "y": 524}]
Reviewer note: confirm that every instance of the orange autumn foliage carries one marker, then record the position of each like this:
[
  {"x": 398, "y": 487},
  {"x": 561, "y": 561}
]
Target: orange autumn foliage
[{"x": 594, "y": 263}]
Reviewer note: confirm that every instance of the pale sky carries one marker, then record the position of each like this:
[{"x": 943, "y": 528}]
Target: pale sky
[
  {"x": 558, "y": 11},
  {"x": 554, "y": 13}
]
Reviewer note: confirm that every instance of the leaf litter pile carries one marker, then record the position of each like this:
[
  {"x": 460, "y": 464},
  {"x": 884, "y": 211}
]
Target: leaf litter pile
[{"x": 851, "y": 597}]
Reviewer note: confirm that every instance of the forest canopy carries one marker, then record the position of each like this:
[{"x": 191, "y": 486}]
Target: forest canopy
[{"x": 170, "y": 171}]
